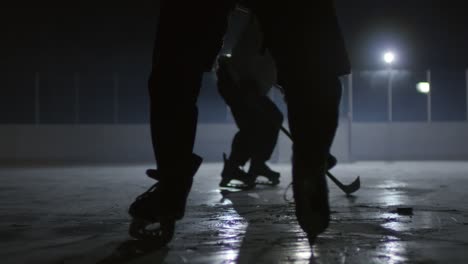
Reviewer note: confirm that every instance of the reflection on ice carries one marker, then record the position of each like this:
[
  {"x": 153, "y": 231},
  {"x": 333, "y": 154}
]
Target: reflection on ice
[
  {"x": 392, "y": 251},
  {"x": 303, "y": 254},
  {"x": 230, "y": 256}
]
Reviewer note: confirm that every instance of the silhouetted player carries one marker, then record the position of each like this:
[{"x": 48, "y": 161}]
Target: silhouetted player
[
  {"x": 304, "y": 39},
  {"x": 245, "y": 76}
]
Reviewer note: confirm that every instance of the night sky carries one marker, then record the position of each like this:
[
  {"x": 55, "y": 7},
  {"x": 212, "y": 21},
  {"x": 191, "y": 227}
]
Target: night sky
[
  {"x": 97, "y": 39},
  {"x": 425, "y": 33}
]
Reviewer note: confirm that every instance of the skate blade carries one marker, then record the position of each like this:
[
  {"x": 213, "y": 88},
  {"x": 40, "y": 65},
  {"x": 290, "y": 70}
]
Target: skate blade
[
  {"x": 312, "y": 239},
  {"x": 238, "y": 186},
  {"x": 137, "y": 227},
  {"x": 261, "y": 180},
  {"x": 159, "y": 233},
  {"x": 267, "y": 183}
]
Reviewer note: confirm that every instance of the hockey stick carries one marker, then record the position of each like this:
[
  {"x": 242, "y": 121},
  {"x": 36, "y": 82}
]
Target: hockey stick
[{"x": 348, "y": 189}]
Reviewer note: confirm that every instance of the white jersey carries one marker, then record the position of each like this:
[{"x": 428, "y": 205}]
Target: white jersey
[{"x": 248, "y": 58}]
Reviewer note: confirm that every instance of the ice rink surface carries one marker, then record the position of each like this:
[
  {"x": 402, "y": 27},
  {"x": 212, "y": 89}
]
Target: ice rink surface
[{"x": 78, "y": 214}]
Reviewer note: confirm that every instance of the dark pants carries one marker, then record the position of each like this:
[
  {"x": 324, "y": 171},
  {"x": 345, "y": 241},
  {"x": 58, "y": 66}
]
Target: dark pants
[
  {"x": 257, "y": 117},
  {"x": 189, "y": 37}
]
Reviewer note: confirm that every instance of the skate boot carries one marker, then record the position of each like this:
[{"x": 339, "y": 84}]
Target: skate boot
[
  {"x": 153, "y": 174},
  {"x": 261, "y": 169},
  {"x": 331, "y": 162},
  {"x": 311, "y": 200},
  {"x": 163, "y": 204},
  {"x": 232, "y": 171}
]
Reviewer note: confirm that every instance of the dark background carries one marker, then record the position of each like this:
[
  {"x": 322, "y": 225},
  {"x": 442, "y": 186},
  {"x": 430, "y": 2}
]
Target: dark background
[{"x": 103, "y": 43}]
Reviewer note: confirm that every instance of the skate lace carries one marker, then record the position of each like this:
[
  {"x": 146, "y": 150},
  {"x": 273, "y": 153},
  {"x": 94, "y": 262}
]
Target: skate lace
[
  {"x": 148, "y": 192},
  {"x": 285, "y": 194}
]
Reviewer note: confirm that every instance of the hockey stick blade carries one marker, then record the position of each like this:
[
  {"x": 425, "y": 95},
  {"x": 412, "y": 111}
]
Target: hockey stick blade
[{"x": 348, "y": 189}]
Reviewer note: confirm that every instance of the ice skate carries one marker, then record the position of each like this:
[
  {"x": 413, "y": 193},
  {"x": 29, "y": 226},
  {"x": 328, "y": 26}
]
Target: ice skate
[
  {"x": 162, "y": 204},
  {"x": 233, "y": 172},
  {"x": 153, "y": 174},
  {"x": 261, "y": 169},
  {"x": 311, "y": 201}
]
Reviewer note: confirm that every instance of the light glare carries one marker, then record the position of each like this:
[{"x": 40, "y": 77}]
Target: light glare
[
  {"x": 423, "y": 87},
  {"x": 389, "y": 57}
]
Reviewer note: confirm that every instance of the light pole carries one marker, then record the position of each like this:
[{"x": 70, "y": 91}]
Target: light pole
[
  {"x": 76, "y": 85},
  {"x": 466, "y": 80},
  {"x": 116, "y": 98},
  {"x": 389, "y": 58},
  {"x": 37, "y": 101},
  {"x": 429, "y": 99},
  {"x": 425, "y": 88}
]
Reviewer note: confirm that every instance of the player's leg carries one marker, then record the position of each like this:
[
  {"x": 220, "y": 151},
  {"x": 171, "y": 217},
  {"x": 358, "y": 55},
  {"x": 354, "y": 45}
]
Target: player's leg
[
  {"x": 313, "y": 119},
  {"x": 313, "y": 96},
  {"x": 267, "y": 126},
  {"x": 188, "y": 39},
  {"x": 234, "y": 94}
]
